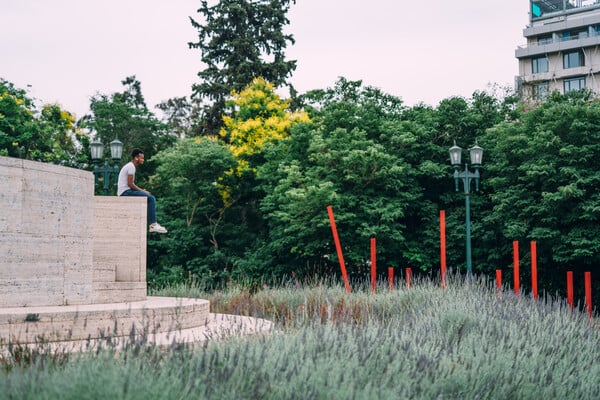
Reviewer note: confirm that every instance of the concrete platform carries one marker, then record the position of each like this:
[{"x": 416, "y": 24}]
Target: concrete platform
[{"x": 158, "y": 320}]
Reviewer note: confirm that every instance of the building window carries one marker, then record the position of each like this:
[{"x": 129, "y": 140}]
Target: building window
[
  {"x": 545, "y": 39},
  {"x": 574, "y": 84},
  {"x": 540, "y": 90},
  {"x": 573, "y": 59},
  {"x": 539, "y": 64},
  {"x": 573, "y": 35}
]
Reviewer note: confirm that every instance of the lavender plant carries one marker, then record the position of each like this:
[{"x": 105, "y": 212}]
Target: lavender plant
[{"x": 465, "y": 342}]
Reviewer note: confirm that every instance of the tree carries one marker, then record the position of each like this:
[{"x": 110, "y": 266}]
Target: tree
[
  {"x": 188, "y": 180},
  {"x": 124, "y": 115},
  {"x": 178, "y": 115},
  {"x": 369, "y": 184},
  {"x": 48, "y": 135},
  {"x": 239, "y": 41},
  {"x": 258, "y": 117},
  {"x": 544, "y": 185}
]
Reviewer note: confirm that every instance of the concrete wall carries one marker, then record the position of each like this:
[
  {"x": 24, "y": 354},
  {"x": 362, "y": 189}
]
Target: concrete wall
[
  {"x": 46, "y": 229},
  {"x": 60, "y": 245},
  {"x": 119, "y": 249}
]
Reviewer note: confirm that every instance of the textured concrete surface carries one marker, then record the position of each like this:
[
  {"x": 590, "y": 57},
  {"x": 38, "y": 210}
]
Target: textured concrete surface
[
  {"x": 94, "y": 321},
  {"x": 46, "y": 241},
  {"x": 119, "y": 249},
  {"x": 157, "y": 320},
  {"x": 61, "y": 245}
]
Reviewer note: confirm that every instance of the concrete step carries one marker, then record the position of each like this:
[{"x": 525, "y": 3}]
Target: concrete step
[{"x": 96, "y": 321}]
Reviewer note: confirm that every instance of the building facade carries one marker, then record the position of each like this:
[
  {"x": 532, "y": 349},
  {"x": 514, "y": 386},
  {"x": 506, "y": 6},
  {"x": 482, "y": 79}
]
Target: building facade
[{"x": 563, "y": 48}]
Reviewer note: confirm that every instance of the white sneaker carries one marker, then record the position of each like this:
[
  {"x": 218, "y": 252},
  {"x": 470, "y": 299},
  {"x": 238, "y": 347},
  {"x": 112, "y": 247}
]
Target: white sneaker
[{"x": 155, "y": 227}]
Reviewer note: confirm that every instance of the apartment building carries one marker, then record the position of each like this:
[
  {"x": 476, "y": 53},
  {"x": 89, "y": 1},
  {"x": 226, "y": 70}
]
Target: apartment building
[{"x": 563, "y": 48}]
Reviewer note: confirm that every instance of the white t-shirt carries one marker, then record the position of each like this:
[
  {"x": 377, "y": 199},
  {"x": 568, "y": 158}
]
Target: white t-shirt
[{"x": 122, "y": 185}]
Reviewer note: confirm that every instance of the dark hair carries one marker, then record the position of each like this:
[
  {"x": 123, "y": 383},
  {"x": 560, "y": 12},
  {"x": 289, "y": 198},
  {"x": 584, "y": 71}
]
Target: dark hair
[{"x": 136, "y": 152}]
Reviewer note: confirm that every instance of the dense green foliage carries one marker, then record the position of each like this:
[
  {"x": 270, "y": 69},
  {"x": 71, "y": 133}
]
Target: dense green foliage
[
  {"x": 126, "y": 117},
  {"x": 465, "y": 342},
  {"x": 251, "y": 205},
  {"x": 239, "y": 40},
  {"x": 47, "y": 135},
  {"x": 188, "y": 180},
  {"x": 542, "y": 184},
  {"x": 384, "y": 169}
]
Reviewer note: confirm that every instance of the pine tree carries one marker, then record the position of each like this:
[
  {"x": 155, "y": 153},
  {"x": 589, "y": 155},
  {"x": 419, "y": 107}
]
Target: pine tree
[{"x": 239, "y": 41}]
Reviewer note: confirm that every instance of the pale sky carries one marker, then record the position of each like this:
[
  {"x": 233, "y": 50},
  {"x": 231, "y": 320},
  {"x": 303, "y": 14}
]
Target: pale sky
[{"x": 421, "y": 51}]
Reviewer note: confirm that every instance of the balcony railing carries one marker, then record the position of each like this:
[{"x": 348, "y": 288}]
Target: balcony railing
[
  {"x": 558, "y": 39},
  {"x": 548, "y": 8}
]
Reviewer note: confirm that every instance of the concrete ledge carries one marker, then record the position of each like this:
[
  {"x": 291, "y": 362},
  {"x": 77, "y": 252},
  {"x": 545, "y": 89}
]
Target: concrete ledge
[
  {"x": 216, "y": 327},
  {"x": 70, "y": 323}
]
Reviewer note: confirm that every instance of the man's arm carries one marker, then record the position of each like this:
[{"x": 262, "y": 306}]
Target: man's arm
[{"x": 133, "y": 186}]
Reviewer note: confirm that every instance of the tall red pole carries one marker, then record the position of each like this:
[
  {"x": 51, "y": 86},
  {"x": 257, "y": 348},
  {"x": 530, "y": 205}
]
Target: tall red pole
[
  {"x": 534, "y": 279},
  {"x": 373, "y": 265},
  {"x": 588, "y": 293},
  {"x": 499, "y": 280},
  {"x": 570, "y": 289},
  {"x": 408, "y": 277},
  {"x": 338, "y": 247},
  {"x": 517, "y": 283},
  {"x": 443, "y": 246},
  {"x": 391, "y": 278}
]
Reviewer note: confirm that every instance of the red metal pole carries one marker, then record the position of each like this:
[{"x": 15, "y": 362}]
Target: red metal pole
[
  {"x": 443, "y": 246},
  {"x": 570, "y": 289},
  {"x": 373, "y": 265},
  {"x": 408, "y": 277},
  {"x": 588, "y": 293},
  {"x": 499, "y": 280},
  {"x": 534, "y": 279},
  {"x": 517, "y": 283},
  {"x": 338, "y": 247},
  {"x": 391, "y": 278}
]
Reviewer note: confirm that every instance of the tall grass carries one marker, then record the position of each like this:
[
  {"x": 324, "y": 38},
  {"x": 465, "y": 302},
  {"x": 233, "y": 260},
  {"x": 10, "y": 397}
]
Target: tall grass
[{"x": 464, "y": 342}]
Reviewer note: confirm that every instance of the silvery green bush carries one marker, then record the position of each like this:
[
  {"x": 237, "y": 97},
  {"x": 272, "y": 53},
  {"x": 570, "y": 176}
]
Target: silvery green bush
[{"x": 465, "y": 342}]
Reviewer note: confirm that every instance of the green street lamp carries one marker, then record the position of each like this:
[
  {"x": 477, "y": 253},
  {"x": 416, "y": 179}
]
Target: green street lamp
[
  {"x": 476, "y": 155},
  {"x": 103, "y": 173}
]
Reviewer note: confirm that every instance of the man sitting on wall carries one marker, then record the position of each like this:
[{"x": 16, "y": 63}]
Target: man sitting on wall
[{"x": 127, "y": 187}]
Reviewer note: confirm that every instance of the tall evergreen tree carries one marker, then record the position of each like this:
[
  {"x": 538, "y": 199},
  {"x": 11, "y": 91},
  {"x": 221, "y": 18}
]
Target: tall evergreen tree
[{"x": 239, "y": 40}]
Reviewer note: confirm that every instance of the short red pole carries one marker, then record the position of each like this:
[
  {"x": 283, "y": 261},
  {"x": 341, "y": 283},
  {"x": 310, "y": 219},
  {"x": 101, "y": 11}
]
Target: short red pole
[
  {"x": 534, "y": 279},
  {"x": 373, "y": 265},
  {"x": 588, "y": 293},
  {"x": 517, "y": 283},
  {"x": 499, "y": 280},
  {"x": 443, "y": 246},
  {"x": 408, "y": 277},
  {"x": 570, "y": 289},
  {"x": 338, "y": 247},
  {"x": 391, "y": 278}
]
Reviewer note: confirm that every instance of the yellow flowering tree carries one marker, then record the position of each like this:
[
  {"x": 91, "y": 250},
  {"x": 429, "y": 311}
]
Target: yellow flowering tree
[{"x": 258, "y": 117}]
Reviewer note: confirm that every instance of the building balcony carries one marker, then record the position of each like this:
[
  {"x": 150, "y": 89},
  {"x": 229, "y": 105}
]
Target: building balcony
[
  {"x": 558, "y": 74},
  {"x": 564, "y": 44}
]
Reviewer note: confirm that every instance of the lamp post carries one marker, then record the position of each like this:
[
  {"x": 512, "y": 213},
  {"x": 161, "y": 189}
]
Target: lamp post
[
  {"x": 476, "y": 155},
  {"x": 103, "y": 173}
]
